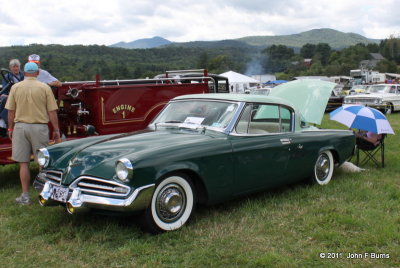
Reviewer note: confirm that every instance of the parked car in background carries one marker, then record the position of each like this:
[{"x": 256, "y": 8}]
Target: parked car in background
[
  {"x": 356, "y": 89},
  {"x": 384, "y": 97},
  {"x": 336, "y": 99},
  {"x": 201, "y": 149},
  {"x": 258, "y": 90}
]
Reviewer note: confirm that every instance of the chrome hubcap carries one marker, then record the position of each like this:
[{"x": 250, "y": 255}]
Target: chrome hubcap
[
  {"x": 322, "y": 167},
  {"x": 170, "y": 203}
]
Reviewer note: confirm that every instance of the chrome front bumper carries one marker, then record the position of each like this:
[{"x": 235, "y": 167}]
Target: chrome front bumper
[
  {"x": 79, "y": 200},
  {"x": 378, "y": 106}
]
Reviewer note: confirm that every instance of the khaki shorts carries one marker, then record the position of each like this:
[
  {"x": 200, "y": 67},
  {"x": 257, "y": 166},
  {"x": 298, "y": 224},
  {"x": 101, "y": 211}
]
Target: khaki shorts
[{"x": 27, "y": 139}]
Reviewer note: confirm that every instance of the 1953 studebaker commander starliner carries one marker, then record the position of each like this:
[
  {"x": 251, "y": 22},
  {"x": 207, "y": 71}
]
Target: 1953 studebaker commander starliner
[{"x": 205, "y": 148}]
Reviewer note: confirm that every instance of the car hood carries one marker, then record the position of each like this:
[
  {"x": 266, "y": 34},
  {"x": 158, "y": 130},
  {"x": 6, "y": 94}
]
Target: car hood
[
  {"x": 308, "y": 96},
  {"x": 99, "y": 157}
]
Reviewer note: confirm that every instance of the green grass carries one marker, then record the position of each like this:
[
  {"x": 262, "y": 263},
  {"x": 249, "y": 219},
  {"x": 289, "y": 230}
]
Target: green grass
[{"x": 288, "y": 227}]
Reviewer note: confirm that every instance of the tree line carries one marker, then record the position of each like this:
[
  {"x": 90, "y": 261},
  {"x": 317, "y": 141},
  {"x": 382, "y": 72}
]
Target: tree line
[
  {"x": 79, "y": 63},
  {"x": 328, "y": 62}
]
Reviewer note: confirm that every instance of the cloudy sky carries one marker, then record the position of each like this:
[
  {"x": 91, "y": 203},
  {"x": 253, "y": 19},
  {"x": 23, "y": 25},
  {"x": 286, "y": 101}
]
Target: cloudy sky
[{"x": 68, "y": 22}]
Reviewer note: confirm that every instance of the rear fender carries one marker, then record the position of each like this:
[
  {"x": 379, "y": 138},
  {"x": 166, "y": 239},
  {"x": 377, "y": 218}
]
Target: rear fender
[{"x": 332, "y": 150}]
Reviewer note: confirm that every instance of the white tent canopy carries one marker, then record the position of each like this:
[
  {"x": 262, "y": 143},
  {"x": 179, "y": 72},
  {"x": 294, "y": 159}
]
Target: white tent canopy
[{"x": 238, "y": 83}]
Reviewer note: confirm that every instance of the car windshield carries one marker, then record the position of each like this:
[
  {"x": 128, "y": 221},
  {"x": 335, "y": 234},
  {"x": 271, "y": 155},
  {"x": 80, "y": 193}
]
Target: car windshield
[
  {"x": 197, "y": 113},
  {"x": 377, "y": 89}
]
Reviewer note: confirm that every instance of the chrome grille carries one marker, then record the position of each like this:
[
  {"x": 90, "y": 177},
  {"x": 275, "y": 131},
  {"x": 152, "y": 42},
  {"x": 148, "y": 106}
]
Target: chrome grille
[
  {"x": 52, "y": 176},
  {"x": 97, "y": 186},
  {"x": 362, "y": 100}
]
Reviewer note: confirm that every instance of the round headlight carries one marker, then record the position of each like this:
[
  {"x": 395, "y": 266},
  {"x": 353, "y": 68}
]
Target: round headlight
[
  {"x": 124, "y": 169},
  {"x": 43, "y": 157}
]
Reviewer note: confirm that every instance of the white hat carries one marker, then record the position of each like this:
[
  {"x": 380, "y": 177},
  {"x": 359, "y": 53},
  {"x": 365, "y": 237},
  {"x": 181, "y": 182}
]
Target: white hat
[{"x": 34, "y": 58}]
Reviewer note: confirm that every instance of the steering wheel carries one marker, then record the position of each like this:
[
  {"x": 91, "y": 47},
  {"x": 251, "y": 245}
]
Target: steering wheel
[{"x": 6, "y": 74}]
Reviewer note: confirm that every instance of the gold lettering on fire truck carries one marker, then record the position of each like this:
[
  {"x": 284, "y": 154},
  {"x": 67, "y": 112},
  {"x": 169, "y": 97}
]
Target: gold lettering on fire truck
[{"x": 123, "y": 108}]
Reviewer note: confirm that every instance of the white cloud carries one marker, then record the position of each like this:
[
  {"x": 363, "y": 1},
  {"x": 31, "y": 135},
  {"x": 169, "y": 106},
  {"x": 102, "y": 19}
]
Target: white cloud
[{"x": 107, "y": 22}]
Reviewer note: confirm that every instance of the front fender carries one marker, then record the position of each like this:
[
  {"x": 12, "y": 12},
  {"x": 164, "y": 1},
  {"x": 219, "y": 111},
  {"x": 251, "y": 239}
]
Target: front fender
[{"x": 176, "y": 167}]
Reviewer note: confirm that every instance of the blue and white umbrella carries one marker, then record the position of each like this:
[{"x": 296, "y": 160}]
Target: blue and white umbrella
[{"x": 362, "y": 117}]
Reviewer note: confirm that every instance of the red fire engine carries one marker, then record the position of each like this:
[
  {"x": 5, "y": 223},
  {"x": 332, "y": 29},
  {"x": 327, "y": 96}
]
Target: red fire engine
[{"x": 114, "y": 106}]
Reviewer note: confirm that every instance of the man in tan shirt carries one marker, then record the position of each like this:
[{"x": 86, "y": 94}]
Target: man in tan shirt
[{"x": 31, "y": 105}]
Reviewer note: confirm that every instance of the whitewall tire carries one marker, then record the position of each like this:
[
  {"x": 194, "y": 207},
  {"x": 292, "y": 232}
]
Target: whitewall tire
[
  {"x": 323, "y": 168},
  {"x": 172, "y": 204}
]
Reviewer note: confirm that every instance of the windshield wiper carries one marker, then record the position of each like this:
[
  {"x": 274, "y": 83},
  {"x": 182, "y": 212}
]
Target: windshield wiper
[{"x": 166, "y": 123}]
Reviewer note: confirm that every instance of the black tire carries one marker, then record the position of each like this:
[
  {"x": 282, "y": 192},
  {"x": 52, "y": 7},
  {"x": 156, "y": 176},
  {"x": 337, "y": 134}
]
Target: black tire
[
  {"x": 388, "y": 108},
  {"x": 323, "y": 168},
  {"x": 172, "y": 204}
]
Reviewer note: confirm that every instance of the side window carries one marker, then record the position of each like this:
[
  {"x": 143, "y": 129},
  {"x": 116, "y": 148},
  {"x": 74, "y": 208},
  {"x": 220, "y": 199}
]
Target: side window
[
  {"x": 265, "y": 112},
  {"x": 263, "y": 119},
  {"x": 244, "y": 120},
  {"x": 286, "y": 120}
]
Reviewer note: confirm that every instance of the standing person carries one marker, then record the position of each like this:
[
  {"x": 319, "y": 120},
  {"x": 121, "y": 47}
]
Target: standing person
[
  {"x": 44, "y": 76},
  {"x": 31, "y": 105},
  {"x": 14, "y": 77}
]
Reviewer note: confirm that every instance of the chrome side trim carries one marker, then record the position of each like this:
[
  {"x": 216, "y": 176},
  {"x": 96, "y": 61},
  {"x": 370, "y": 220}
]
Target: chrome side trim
[{"x": 256, "y": 135}]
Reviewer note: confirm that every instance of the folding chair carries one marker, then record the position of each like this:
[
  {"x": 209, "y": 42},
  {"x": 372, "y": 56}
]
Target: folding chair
[{"x": 369, "y": 152}]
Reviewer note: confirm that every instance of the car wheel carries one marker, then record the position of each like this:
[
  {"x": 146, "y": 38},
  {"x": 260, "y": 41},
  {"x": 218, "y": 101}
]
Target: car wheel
[
  {"x": 172, "y": 204},
  {"x": 323, "y": 168},
  {"x": 388, "y": 108}
]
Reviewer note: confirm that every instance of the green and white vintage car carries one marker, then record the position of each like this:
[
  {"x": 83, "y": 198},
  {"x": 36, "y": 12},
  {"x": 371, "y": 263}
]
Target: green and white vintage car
[{"x": 205, "y": 148}]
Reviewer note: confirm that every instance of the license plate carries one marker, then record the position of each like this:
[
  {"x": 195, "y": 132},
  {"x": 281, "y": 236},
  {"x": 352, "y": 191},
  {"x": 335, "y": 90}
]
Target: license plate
[{"x": 59, "y": 193}]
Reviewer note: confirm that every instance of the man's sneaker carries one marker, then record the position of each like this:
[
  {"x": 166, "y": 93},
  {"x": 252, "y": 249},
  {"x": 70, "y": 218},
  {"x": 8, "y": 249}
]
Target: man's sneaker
[{"x": 24, "y": 199}]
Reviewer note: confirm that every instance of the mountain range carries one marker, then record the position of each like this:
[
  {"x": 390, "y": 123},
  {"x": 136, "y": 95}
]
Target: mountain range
[
  {"x": 335, "y": 39},
  {"x": 156, "y": 41}
]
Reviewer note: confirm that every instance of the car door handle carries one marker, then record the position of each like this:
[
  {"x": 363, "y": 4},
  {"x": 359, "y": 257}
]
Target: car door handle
[{"x": 286, "y": 141}]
